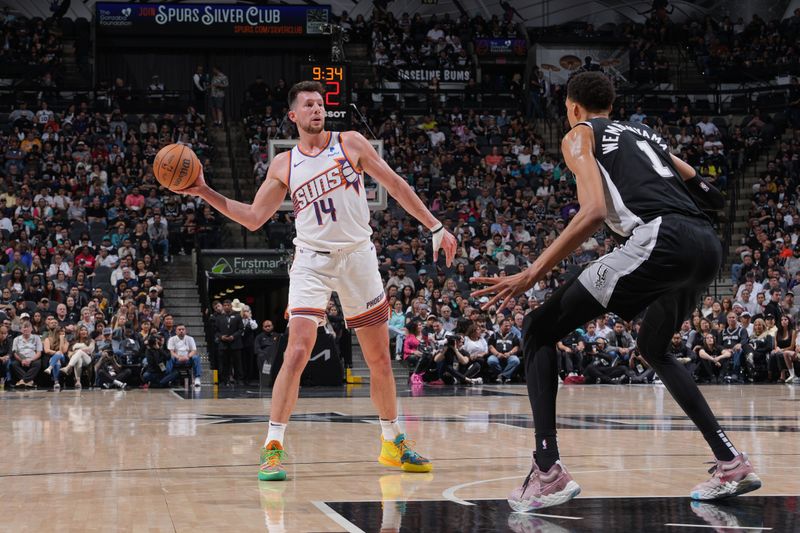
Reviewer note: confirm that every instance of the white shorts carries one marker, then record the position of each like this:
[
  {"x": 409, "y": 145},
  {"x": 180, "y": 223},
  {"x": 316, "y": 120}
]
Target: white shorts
[{"x": 354, "y": 276}]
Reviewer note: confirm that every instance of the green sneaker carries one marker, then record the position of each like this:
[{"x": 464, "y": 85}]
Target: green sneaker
[{"x": 271, "y": 467}]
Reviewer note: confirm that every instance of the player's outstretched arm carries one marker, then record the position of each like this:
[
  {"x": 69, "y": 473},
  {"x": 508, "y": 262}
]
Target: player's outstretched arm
[
  {"x": 578, "y": 149},
  {"x": 266, "y": 202},
  {"x": 368, "y": 159}
]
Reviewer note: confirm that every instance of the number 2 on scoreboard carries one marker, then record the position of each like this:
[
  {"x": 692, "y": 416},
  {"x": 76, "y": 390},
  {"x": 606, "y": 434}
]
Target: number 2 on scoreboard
[
  {"x": 332, "y": 93},
  {"x": 321, "y": 208}
]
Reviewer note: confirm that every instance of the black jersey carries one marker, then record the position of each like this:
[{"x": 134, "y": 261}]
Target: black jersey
[{"x": 641, "y": 183}]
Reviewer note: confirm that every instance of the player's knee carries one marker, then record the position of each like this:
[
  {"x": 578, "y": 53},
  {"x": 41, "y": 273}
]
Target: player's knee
[
  {"x": 379, "y": 363},
  {"x": 653, "y": 352},
  {"x": 295, "y": 358}
]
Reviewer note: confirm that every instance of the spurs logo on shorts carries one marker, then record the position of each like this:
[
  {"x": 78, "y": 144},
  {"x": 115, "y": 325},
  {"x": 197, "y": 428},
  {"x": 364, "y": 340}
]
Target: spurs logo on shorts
[{"x": 600, "y": 279}]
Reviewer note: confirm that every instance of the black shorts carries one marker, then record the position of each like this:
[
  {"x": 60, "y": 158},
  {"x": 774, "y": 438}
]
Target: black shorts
[{"x": 672, "y": 253}]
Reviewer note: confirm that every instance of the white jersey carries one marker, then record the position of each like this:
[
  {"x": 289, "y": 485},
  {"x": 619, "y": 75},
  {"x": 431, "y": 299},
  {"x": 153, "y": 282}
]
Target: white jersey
[{"x": 330, "y": 203}]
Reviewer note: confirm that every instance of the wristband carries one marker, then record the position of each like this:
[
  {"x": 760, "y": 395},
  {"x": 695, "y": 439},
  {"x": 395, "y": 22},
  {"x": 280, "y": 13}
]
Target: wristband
[{"x": 437, "y": 235}]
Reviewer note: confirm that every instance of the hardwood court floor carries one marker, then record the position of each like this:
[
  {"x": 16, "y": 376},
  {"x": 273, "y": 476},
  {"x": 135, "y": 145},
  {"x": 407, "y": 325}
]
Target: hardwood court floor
[{"x": 162, "y": 461}]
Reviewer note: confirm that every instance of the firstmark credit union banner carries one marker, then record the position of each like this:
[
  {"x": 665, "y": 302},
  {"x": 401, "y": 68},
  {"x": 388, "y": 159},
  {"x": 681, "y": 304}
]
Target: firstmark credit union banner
[
  {"x": 245, "y": 263},
  {"x": 201, "y": 20}
]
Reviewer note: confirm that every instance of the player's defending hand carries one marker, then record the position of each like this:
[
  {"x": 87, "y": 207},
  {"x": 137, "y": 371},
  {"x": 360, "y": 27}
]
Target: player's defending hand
[
  {"x": 504, "y": 288},
  {"x": 449, "y": 245},
  {"x": 198, "y": 187}
]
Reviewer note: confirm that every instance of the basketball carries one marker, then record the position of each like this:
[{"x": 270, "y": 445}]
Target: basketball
[{"x": 176, "y": 167}]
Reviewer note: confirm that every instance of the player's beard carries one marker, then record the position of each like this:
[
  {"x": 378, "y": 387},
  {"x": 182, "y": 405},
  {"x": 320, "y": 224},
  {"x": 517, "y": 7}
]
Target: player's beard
[{"x": 313, "y": 130}]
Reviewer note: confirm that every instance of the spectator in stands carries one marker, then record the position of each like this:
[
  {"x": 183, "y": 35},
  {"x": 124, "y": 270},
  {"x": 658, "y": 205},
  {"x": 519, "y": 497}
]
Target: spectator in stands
[
  {"x": 104, "y": 340},
  {"x": 600, "y": 368},
  {"x": 199, "y": 86},
  {"x": 571, "y": 351},
  {"x": 27, "y": 352},
  {"x": 761, "y": 344},
  {"x": 156, "y": 359},
  {"x": 109, "y": 372},
  {"x": 713, "y": 361},
  {"x": 266, "y": 343},
  {"x": 54, "y": 349},
  {"x": 503, "y": 349},
  {"x": 413, "y": 345},
  {"x": 781, "y": 357},
  {"x": 400, "y": 280},
  {"x": 734, "y": 338},
  {"x": 219, "y": 85},
  {"x": 682, "y": 353},
  {"x": 228, "y": 335},
  {"x": 6, "y": 355},
  {"x": 397, "y": 321},
  {"x": 125, "y": 343},
  {"x": 158, "y": 232},
  {"x": 452, "y": 358},
  {"x": 183, "y": 351},
  {"x": 168, "y": 328},
  {"x": 476, "y": 346},
  {"x": 620, "y": 342},
  {"x": 80, "y": 355}
]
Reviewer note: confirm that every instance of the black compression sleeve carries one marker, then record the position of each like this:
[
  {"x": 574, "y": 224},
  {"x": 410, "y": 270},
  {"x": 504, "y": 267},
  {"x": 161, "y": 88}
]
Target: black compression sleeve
[{"x": 706, "y": 196}]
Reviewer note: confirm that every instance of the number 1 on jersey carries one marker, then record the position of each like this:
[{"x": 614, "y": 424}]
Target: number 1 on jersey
[
  {"x": 658, "y": 166},
  {"x": 321, "y": 208}
]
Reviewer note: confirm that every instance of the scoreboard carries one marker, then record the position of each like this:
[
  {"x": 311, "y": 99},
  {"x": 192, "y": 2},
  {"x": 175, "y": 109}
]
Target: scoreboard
[{"x": 336, "y": 81}]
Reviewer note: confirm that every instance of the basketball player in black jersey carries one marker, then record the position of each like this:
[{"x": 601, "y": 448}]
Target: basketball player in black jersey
[{"x": 627, "y": 178}]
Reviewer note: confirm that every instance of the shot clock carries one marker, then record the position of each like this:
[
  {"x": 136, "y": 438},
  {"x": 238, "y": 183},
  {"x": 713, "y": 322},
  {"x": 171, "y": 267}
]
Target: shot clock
[{"x": 334, "y": 77}]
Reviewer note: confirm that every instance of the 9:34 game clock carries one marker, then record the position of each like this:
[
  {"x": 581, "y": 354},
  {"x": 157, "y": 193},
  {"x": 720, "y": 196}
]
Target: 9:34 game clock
[{"x": 334, "y": 77}]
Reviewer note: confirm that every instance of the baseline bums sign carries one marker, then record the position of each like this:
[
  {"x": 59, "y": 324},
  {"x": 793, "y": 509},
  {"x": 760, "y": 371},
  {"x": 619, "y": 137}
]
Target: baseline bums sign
[
  {"x": 237, "y": 263},
  {"x": 193, "y": 20}
]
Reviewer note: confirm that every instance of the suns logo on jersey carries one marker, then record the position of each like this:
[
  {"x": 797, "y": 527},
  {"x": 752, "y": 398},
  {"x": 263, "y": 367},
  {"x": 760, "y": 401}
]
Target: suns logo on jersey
[{"x": 329, "y": 180}]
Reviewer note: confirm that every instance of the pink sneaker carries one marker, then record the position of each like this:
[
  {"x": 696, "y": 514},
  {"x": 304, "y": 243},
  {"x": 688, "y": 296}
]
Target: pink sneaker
[
  {"x": 544, "y": 489},
  {"x": 729, "y": 478}
]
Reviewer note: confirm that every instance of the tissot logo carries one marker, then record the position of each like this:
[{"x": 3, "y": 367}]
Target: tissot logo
[{"x": 222, "y": 266}]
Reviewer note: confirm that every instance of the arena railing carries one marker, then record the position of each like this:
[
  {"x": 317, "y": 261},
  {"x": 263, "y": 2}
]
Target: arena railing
[{"x": 235, "y": 175}]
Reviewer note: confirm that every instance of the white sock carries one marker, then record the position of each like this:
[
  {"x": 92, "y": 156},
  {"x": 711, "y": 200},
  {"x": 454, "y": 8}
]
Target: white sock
[
  {"x": 118, "y": 383},
  {"x": 390, "y": 429},
  {"x": 276, "y": 430},
  {"x": 791, "y": 372}
]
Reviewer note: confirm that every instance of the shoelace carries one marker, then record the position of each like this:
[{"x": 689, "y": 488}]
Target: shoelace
[
  {"x": 715, "y": 470},
  {"x": 405, "y": 446},
  {"x": 273, "y": 458},
  {"x": 531, "y": 474}
]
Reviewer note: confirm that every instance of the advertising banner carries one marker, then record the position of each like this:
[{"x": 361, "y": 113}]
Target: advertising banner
[
  {"x": 501, "y": 47},
  {"x": 211, "y": 20},
  {"x": 427, "y": 74},
  {"x": 245, "y": 263}
]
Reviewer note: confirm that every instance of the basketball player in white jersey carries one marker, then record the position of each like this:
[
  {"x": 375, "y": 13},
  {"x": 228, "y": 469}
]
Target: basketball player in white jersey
[{"x": 333, "y": 252}]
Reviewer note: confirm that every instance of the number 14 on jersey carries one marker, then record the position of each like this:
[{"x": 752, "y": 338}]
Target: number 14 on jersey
[{"x": 324, "y": 207}]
